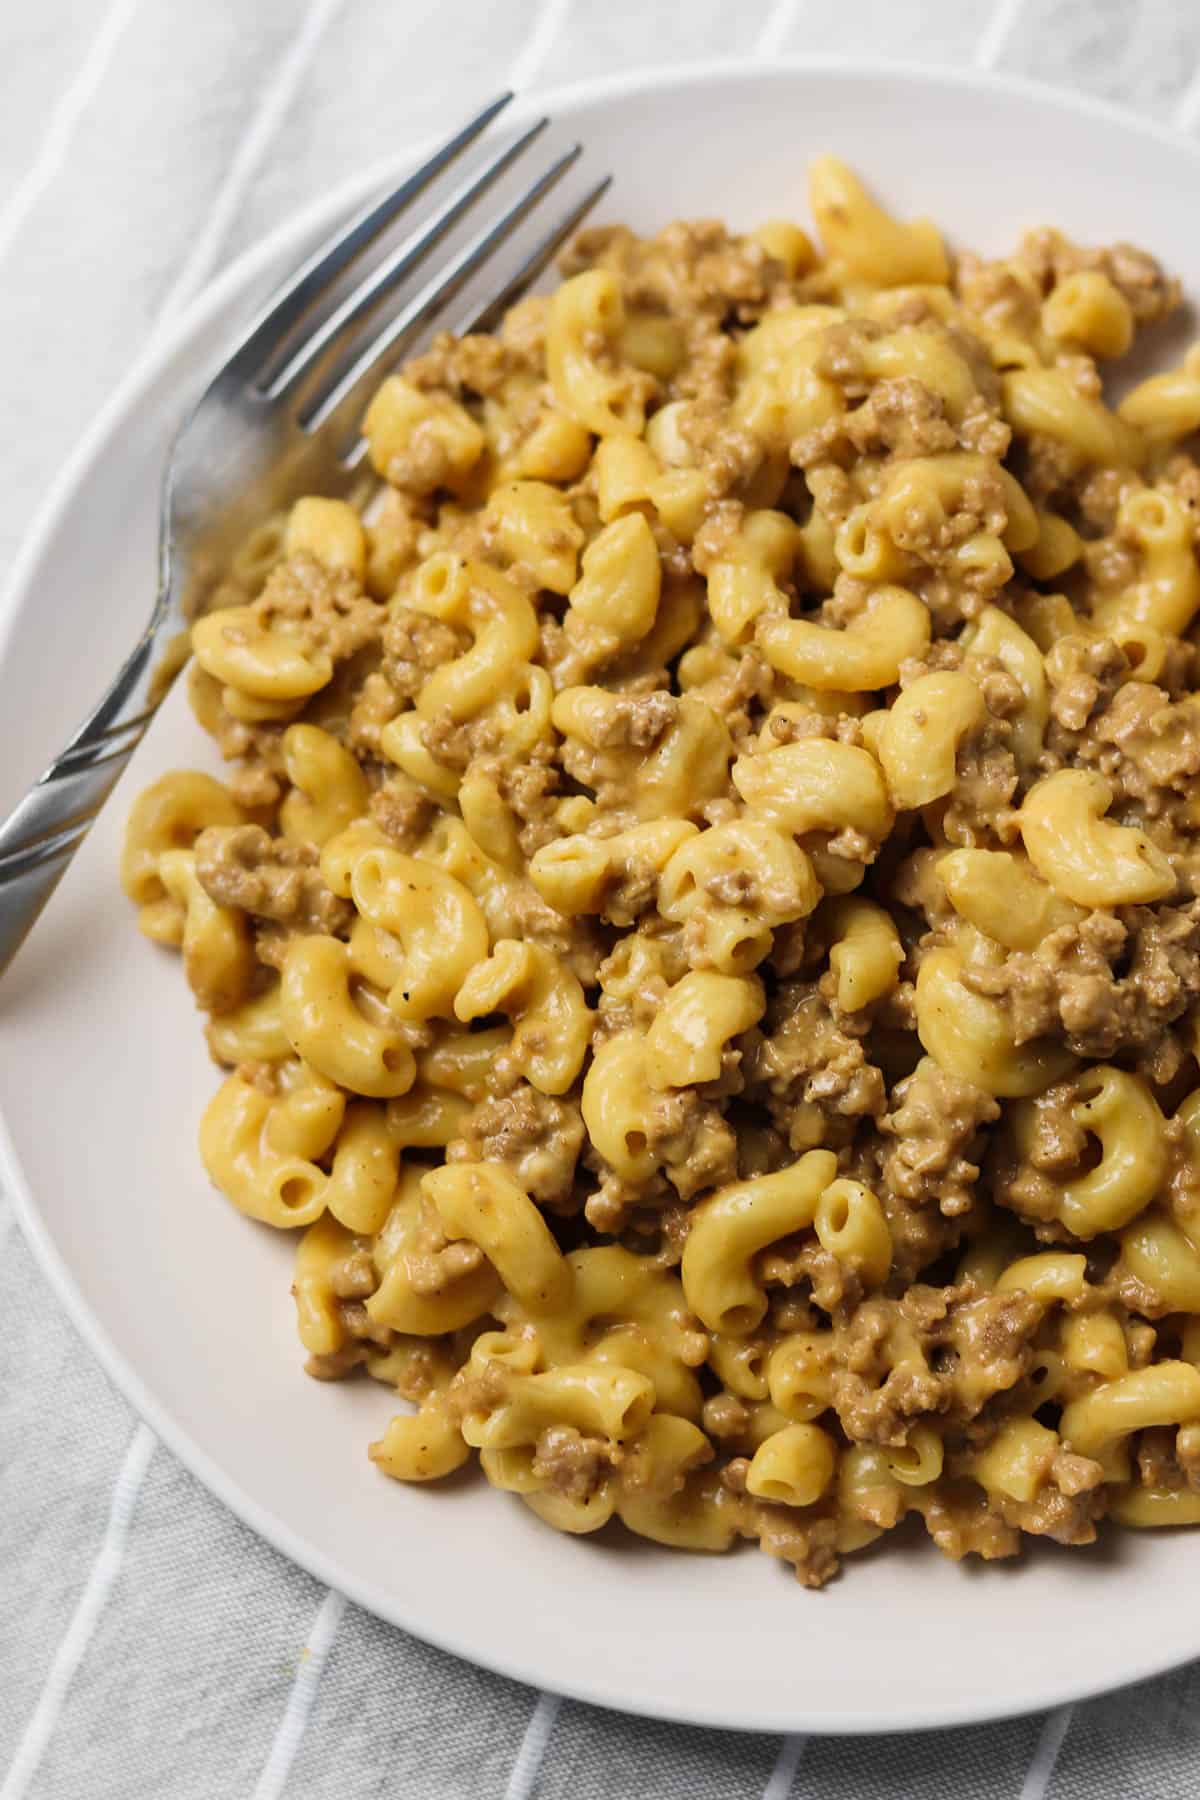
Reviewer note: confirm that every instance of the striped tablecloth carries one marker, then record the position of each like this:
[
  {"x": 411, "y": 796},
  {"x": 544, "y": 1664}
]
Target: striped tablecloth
[{"x": 150, "y": 1645}]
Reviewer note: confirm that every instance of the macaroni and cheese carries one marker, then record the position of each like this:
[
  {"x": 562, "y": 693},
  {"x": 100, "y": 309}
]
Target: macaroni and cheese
[{"x": 701, "y": 926}]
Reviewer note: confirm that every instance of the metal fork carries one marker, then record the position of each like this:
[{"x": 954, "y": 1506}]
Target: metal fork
[{"x": 279, "y": 419}]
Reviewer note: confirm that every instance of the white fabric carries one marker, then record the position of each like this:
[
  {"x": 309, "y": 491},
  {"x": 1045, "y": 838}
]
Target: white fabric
[{"x": 151, "y": 1647}]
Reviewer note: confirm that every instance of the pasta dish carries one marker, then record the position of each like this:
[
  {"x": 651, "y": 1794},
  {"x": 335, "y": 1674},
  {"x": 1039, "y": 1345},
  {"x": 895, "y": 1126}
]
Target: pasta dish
[{"x": 700, "y": 928}]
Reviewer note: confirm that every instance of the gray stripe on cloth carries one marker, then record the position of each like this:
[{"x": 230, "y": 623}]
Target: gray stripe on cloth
[
  {"x": 975, "y": 1762},
  {"x": 90, "y": 268},
  {"x": 532, "y": 1750},
  {"x": 53, "y": 143},
  {"x": 598, "y": 1755},
  {"x": 73, "y": 1645},
  {"x": 1140, "y": 1744},
  {"x": 550, "y": 20},
  {"x": 1141, "y": 53},
  {"x": 1055, "y": 1728},
  {"x": 396, "y": 1720},
  {"x": 45, "y": 46},
  {"x": 351, "y": 113},
  {"x": 190, "y": 1668},
  {"x": 63, "y": 1434},
  {"x": 294, "y": 1723},
  {"x": 626, "y": 34},
  {"x": 782, "y": 1778},
  {"x": 972, "y": 1763},
  {"x": 928, "y": 30},
  {"x": 263, "y": 120}
]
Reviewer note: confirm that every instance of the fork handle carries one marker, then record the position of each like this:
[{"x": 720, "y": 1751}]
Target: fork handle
[{"x": 43, "y": 832}]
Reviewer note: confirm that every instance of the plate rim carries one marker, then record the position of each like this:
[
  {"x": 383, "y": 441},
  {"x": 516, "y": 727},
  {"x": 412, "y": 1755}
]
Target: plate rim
[{"x": 167, "y": 343}]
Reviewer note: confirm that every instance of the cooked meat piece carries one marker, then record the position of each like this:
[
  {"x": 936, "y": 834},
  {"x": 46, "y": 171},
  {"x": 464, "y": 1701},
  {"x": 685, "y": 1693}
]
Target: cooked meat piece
[{"x": 243, "y": 866}]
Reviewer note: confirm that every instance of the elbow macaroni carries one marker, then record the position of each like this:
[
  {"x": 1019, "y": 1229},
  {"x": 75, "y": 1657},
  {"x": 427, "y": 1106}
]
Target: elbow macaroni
[{"x": 696, "y": 929}]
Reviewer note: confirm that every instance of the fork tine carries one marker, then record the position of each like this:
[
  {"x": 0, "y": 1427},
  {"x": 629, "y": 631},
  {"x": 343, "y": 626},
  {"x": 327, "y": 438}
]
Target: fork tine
[
  {"x": 395, "y": 267},
  {"x": 337, "y": 252},
  {"x": 488, "y": 315},
  {"x": 434, "y": 296}
]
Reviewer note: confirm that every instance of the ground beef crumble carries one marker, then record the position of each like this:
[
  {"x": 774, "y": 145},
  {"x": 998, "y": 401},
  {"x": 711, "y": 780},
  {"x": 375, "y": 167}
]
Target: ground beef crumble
[{"x": 244, "y": 867}]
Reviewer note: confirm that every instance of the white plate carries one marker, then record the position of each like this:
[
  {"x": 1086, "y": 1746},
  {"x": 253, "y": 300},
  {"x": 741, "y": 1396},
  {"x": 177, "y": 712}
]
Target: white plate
[{"x": 103, "y": 1071}]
